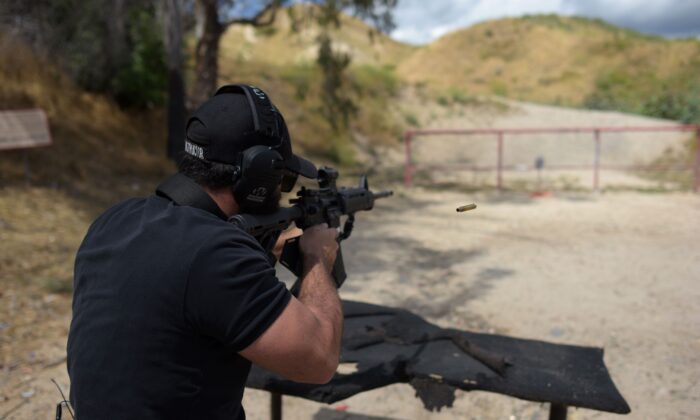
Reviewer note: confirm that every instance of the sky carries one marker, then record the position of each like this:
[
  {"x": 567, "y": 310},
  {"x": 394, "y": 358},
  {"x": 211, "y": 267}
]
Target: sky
[{"x": 421, "y": 21}]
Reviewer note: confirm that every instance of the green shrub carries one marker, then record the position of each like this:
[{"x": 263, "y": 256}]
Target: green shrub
[
  {"x": 459, "y": 97},
  {"x": 645, "y": 94},
  {"x": 265, "y": 31},
  {"x": 679, "y": 106},
  {"x": 412, "y": 120},
  {"x": 375, "y": 81},
  {"x": 142, "y": 82},
  {"x": 498, "y": 88},
  {"x": 342, "y": 152},
  {"x": 301, "y": 77}
]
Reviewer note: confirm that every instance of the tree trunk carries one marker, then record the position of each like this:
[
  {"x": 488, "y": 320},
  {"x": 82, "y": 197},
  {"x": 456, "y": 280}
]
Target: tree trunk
[
  {"x": 207, "y": 51},
  {"x": 176, "y": 84},
  {"x": 116, "y": 54},
  {"x": 176, "y": 114}
]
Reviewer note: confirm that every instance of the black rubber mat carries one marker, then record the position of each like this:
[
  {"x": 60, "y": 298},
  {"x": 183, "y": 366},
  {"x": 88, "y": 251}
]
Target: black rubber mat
[{"x": 392, "y": 345}]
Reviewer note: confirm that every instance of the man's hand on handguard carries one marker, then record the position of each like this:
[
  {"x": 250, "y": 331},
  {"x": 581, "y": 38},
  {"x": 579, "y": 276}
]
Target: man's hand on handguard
[
  {"x": 319, "y": 244},
  {"x": 303, "y": 344}
]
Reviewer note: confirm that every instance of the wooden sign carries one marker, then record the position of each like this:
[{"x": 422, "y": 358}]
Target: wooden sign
[{"x": 24, "y": 129}]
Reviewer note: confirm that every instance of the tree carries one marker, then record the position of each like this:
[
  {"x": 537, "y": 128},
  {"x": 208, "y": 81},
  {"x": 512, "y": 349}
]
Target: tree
[
  {"x": 120, "y": 47},
  {"x": 338, "y": 106},
  {"x": 212, "y": 18},
  {"x": 110, "y": 46},
  {"x": 172, "y": 26}
]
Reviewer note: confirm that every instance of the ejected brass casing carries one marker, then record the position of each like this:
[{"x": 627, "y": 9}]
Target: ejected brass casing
[{"x": 466, "y": 208}]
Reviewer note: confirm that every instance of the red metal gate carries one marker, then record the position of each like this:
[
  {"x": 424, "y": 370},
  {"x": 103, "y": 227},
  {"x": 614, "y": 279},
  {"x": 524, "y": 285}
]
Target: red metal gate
[{"x": 597, "y": 136}]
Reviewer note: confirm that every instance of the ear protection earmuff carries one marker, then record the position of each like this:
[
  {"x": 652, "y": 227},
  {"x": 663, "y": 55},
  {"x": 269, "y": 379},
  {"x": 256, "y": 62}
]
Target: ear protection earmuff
[{"x": 260, "y": 174}]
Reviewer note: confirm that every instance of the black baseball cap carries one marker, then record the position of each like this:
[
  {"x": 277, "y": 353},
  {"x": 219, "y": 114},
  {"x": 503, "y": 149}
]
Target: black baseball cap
[{"x": 236, "y": 118}]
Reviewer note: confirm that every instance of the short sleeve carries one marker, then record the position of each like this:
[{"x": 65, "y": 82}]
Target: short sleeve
[{"x": 233, "y": 294}]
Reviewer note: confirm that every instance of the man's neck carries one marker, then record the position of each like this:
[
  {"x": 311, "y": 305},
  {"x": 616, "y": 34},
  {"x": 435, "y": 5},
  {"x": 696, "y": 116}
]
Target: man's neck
[{"x": 223, "y": 197}]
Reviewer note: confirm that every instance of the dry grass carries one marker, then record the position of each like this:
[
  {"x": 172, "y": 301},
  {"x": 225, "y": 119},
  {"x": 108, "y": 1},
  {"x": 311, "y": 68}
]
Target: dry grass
[
  {"x": 296, "y": 91},
  {"x": 100, "y": 152},
  {"x": 40, "y": 230}
]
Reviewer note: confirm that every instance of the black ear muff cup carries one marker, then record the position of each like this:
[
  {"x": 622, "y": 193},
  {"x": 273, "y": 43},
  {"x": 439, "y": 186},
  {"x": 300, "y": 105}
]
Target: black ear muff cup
[{"x": 261, "y": 173}]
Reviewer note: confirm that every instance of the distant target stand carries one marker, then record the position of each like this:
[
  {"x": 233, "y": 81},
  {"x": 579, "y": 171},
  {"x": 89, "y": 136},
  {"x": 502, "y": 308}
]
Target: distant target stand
[
  {"x": 24, "y": 129},
  {"x": 597, "y": 132}
]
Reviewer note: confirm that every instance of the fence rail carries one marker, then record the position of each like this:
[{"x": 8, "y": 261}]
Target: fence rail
[{"x": 597, "y": 137}]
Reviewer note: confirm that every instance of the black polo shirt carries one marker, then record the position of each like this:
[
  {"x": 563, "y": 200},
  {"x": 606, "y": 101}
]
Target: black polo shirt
[{"x": 165, "y": 296}]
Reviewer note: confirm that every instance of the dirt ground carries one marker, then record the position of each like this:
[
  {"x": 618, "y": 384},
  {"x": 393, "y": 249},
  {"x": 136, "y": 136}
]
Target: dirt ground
[{"x": 619, "y": 271}]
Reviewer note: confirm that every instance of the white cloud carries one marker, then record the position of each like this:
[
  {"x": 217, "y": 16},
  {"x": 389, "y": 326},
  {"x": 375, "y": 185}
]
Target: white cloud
[
  {"x": 663, "y": 17},
  {"x": 421, "y": 21}
]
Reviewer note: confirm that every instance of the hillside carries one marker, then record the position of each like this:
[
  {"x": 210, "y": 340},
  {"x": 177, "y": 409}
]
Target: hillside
[
  {"x": 99, "y": 151},
  {"x": 282, "y": 59},
  {"x": 566, "y": 61},
  {"x": 558, "y": 60},
  {"x": 291, "y": 40}
]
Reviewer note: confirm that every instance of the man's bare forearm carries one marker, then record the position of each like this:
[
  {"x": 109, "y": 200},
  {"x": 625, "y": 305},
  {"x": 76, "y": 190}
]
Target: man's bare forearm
[{"x": 319, "y": 294}]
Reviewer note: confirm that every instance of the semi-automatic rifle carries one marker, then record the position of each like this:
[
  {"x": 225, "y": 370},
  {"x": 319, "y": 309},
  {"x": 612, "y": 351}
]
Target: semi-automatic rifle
[{"x": 327, "y": 204}]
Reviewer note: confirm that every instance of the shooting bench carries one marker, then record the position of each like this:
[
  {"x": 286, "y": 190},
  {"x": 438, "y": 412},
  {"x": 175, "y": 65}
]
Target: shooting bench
[{"x": 392, "y": 345}]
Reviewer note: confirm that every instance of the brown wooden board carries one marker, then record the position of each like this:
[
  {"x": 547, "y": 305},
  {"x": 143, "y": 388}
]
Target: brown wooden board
[{"x": 24, "y": 129}]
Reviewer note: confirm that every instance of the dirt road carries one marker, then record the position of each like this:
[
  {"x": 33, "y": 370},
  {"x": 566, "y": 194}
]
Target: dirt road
[{"x": 619, "y": 271}]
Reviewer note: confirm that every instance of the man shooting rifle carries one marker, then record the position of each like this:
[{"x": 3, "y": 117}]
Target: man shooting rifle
[{"x": 172, "y": 302}]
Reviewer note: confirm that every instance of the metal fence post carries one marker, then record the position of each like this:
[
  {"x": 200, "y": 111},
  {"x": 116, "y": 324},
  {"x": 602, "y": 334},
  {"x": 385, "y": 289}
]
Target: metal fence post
[
  {"x": 596, "y": 162},
  {"x": 408, "y": 164},
  {"x": 696, "y": 187},
  {"x": 499, "y": 179}
]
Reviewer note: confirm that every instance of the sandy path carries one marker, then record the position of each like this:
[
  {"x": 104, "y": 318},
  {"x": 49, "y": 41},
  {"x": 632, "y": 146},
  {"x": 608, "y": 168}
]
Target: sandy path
[{"x": 620, "y": 271}]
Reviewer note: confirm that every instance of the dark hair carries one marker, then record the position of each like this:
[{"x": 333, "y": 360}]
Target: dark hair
[{"x": 203, "y": 172}]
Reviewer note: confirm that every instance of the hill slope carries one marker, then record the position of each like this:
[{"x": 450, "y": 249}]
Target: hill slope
[
  {"x": 282, "y": 60},
  {"x": 570, "y": 61},
  {"x": 553, "y": 59},
  {"x": 290, "y": 43}
]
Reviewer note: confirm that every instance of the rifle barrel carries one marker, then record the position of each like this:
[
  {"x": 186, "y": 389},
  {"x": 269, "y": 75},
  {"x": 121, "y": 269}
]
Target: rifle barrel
[{"x": 383, "y": 194}]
